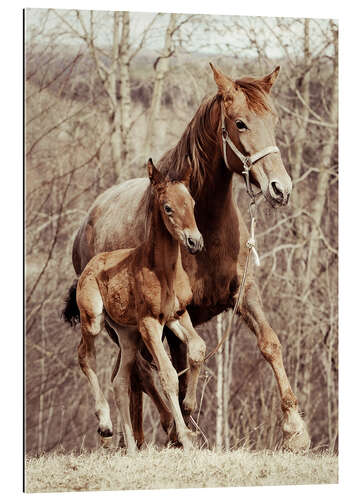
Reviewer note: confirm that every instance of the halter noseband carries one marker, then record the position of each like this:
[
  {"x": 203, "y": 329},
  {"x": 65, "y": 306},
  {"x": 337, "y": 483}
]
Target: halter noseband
[{"x": 248, "y": 161}]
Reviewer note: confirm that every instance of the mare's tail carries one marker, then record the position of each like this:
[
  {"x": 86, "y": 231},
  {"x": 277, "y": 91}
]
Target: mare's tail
[{"x": 70, "y": 312}]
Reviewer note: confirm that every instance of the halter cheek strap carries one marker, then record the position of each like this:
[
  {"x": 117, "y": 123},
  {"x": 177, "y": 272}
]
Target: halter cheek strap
[{"x": 248, "y": 161}]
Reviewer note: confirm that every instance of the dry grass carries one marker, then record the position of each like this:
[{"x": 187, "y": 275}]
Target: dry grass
[{"x": 171, "y": 468}]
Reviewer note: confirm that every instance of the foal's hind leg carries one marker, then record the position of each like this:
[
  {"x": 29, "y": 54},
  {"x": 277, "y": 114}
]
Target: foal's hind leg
[
  {"x": 129, "y": 345},
  {"x": 91, "y": 325},
  {"x": 295, "y": 434}
]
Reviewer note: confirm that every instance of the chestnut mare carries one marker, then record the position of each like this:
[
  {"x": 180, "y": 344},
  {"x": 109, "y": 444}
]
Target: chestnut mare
[
  {"x": 241, "y": 110},
  {"x": 143, "y": 289}
]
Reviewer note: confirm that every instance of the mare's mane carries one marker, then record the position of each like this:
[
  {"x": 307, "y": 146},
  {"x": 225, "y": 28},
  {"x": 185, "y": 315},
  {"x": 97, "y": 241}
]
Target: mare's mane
[{"x": 195, "y": 142}]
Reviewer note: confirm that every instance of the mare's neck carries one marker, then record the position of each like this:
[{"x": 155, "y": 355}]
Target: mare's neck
[
  {"x": 216, "y": 196},
  {"x": 162, "y": 249}
]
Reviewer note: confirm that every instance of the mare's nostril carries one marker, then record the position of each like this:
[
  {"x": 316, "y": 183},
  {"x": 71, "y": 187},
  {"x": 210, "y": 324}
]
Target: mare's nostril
[{"x": 277, "y": 190}]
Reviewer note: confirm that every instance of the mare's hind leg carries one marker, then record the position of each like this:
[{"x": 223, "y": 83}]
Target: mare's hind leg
[
  {"x": 295, "y": 433},
  {"x": 91, "y": 308}
]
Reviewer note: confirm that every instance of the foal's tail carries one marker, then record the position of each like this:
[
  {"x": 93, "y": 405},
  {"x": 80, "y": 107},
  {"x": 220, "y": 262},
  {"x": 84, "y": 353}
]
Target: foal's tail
[{"x": 70, "y": 312}]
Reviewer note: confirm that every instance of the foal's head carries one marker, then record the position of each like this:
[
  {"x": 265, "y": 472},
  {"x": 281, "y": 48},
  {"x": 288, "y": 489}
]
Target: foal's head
[
  {"x": 250, "y": 119},
  {"x": 176, "y": 206}
]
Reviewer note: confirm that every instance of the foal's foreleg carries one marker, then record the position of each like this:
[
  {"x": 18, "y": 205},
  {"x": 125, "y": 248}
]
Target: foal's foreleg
[
  {"x": 195, "y": 356},
  {"x": 295, "y": 433},
  {"x": 151, "y": 332}
]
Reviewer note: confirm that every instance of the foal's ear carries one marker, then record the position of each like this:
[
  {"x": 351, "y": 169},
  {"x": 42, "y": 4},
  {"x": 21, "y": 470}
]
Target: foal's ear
[
  {"x": 224, "y": 83},
  {"x": 186, "y": 178},
  {"x": 155, "y": 175},
  {"x": 269, "y": 80}
]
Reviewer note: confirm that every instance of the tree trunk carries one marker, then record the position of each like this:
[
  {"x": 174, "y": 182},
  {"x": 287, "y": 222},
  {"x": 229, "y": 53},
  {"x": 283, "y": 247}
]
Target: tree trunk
[
  {"x": 124, "y": 91},
  {"x": 162, "y": 68},
  {"x": 300, "y": 224},
  {"x": 303, "y": 109},
  {"x": 318, "y": 202},
  {"x": 219, "y": 392},
  {"x": 227, "y": 367}
]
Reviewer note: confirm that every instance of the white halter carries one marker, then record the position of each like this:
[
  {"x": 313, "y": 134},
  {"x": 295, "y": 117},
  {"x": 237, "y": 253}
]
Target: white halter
[{"x": 248, "y": 161}]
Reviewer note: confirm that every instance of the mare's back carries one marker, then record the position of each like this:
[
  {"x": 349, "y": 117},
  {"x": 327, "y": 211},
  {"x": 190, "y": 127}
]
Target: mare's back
[{"x": 115, "y": 220}]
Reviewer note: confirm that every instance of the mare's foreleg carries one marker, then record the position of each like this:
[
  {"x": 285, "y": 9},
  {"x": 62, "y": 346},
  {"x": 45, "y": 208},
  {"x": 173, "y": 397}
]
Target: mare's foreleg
[
  {"x": 196, "y": 349},
  {"x": 295, "y": 434}
]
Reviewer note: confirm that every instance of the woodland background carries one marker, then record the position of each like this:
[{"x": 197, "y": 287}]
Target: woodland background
[{"x": 103, "y": 91}]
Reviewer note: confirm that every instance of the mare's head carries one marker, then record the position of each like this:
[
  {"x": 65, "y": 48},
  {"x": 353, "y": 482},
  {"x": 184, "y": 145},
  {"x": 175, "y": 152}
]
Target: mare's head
[
  {"x": 176, "y": 206},
  {"x": 250, "y": 120}
]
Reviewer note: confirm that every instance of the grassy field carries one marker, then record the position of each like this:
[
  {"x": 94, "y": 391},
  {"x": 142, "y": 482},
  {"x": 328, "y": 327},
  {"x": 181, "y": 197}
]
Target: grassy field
[{"x": 171, "y": 468}]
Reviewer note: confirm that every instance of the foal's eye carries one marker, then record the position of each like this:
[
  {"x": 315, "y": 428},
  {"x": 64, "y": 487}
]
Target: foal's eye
[
  {"x": 168, "y": 209},
  {"x": 241, "y": 125}
]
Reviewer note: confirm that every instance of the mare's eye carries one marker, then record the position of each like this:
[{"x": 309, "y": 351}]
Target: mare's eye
[
  {"x": 168, "y": 209},
  {"x": 241, "y": 125}
]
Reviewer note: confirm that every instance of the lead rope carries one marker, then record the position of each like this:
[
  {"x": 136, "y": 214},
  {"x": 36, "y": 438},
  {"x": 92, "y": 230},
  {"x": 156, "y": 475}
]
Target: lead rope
[{"x": 251, "y": 244}]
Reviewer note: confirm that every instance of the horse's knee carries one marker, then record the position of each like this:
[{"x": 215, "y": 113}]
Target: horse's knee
[
  {"x": 189, "y": 405},
  {"x": 169, "y": 380},
  {"x": 82, "y": 354},
  {"x": 196, "y": 352},
  {"x": 288, "y": 401},
  {"x": 270, "y": 348}
]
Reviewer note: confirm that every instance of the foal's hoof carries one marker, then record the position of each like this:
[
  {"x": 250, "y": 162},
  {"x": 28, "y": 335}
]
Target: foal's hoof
[
  {"x": 132, "y": 452},
  {"x": 295, "y": 434},
  {"x": 189, "y": 441},
  {"x": 105, "y": 437}
]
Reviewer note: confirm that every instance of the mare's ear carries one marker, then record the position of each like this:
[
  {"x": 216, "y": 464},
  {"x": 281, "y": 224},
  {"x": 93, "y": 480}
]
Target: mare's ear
[
  {"x": 269, "y": 80},
  {"x": 224, "y": 83},
  {"x": 186, "y": 178},
  {"x": 155, "y": 175}
]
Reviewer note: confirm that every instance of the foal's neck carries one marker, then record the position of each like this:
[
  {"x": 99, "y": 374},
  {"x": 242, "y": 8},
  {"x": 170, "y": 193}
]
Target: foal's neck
[{"x": 162, "y": 249}]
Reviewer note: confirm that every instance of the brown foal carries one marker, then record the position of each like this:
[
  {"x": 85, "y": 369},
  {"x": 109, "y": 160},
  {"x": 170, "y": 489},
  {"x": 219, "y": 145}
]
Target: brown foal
[{"x": 139, "y": 291}]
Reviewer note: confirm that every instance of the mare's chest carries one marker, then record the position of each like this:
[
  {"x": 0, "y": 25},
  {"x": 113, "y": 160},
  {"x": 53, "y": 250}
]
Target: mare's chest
[{"x": 214, "y": 274}]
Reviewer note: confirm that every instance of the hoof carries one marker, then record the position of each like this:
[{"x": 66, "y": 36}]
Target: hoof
[
  {"x": 105, "y": 437},
  {"x": 105, "y": 441},
  {"x": 295, "y": 435},
  {"x": 189, "y": 440},
  {"x": 132, "y": 452},
  {"x": 105, "y": 433}
]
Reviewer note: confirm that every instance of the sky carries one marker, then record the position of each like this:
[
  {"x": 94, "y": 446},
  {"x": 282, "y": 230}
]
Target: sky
[{"x": 206, "y": 34}]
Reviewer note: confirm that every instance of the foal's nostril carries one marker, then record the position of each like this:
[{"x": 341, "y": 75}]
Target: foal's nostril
[
  {"x": 190, "y": 242},
  {"x": 277, "y": 190}
]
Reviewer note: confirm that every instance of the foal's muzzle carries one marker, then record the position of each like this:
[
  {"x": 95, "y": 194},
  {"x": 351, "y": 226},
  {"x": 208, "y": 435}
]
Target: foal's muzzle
[{"x": 194, "y": 244}]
